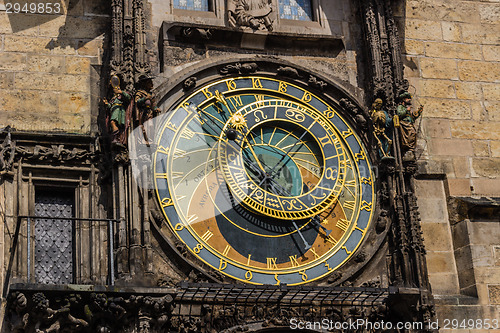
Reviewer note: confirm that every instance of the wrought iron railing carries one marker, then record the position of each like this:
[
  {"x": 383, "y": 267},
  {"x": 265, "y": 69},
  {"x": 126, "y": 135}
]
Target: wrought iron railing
[{"x": 47, "y": 263}]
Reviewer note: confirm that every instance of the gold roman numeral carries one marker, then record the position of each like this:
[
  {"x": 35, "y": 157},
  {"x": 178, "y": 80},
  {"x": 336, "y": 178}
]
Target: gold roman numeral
[
  {"x": 316, "y": 256},
  {"x": 207, "y": 235},
  {"x": 349, "y": 205},
  {"x": 342, "y": 224},
  {"x": 271, "y": 263},
  {"x": 293, "y": 261},
  {"x": 226, "y": 250}
]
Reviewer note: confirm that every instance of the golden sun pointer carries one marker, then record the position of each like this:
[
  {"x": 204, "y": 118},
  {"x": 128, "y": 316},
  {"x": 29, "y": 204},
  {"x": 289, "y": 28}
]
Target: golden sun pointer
[{"x": 238, "y": 122}]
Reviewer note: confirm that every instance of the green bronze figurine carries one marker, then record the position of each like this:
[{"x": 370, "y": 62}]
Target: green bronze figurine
[{"x": 117, "y": 114}]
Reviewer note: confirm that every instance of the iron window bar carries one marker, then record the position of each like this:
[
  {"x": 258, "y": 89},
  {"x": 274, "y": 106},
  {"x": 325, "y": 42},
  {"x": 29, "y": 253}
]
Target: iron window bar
[{"x": 74, "y": 219}]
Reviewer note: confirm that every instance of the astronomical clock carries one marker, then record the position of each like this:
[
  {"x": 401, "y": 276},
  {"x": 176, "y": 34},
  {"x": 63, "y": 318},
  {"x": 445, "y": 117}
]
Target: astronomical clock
[{"x": 263, "y": 179}]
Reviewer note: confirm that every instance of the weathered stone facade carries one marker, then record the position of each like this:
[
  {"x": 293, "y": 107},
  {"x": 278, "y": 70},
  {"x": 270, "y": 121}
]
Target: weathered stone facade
[
  {"x": 54, "y": 72},
  {"x": 451, "y": 60},
  {"x": 51, "y": 65}
]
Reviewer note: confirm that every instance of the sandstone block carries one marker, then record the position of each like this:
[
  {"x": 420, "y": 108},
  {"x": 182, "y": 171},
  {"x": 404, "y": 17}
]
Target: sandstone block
[
  {"x": 491, "y": 91},
  {"x": 36, "y": 45},
  {"x": 481, "y": 148},
  {"x": 468, "y": 90},
  {"x": 12, "y": 61},
  {"x": 423, "y": 29},
  {"x": 52, "y": 28},
  {"x": 28, "y": 102},
  {"x": 458, "y": 147},
  {"x": 495, "y": 148},
  {"x": 45, "y": 63},
  {"x": 37, "y": 81},
  {"x": 441, "y": 262},
  {"x": 437, "y": 237},
  {"x": 486, "y": 167},
  {"x": 438, "y": 68},
  {"x": 411, "y": 68},
  {"x": 77, "y": 65},
  {"x": 6, "y": 80},
  {"x": 444, "y": 283},
  {"x": 446, "y": 108},
  {"x": 453, "y": 50},
  {"x": 437, "y": 88},
  {"x": 21, "y": 25},
  {"x": 414, "y": 47},
  {"x": 79, "y": 83},
  {"x": 489, "y": 13},
  {"x": 461, "y": 166},
  {"x": 492, "y": 108},
  {"x": 459, "y": 187},
  {"x": 491, "y": 52},
  {"x": 479, "y": 71},
  {"x": 429, "y": 189},
  {"x": 478, "y": 111},
  {"x": 486, "y": 33},
  {"x": 74, "y": 103},
  {"x": 486, "y": 187},
  {"x": 456, "y": 11},
  {"x": 474, "y": 130},
  {"x": 451, "y": 31},
  {"x": 437, "y": 128},
  {"x": 432, "y": 210}
]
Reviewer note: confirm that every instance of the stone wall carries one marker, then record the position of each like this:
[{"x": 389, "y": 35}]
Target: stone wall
[
  {"x": 49, "y": 66},
  {"x": 452, "y": 60}
]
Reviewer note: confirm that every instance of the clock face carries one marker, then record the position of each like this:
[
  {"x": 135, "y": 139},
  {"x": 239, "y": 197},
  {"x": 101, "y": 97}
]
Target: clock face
[{"x": 263, "y": 181}]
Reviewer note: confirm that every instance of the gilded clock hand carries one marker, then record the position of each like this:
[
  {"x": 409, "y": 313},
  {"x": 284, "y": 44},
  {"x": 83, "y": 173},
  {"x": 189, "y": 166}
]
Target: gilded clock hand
[{"x": 306, "y": 244}]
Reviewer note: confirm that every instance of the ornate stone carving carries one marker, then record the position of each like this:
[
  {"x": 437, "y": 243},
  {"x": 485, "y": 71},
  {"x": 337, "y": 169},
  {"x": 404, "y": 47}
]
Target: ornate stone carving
[
  {"x": 239, "y": 68},
  {"x": 189, "y": 83},
  {"x": 256, "y": 14},
  {"x": 102, "y": 313},
  {"x": 357, "y": 113},
  {"x": 7, "y": 152},
  {"x": 288, "y": 71},
  {"x": 128, "y": 44},
  {"x": 316, "y": 83}
]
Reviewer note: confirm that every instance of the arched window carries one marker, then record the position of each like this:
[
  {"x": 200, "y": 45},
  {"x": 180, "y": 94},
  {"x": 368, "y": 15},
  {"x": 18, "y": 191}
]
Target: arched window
[
  {"x": 201, "y": 5},
  {"x": 296, "y": 10}
]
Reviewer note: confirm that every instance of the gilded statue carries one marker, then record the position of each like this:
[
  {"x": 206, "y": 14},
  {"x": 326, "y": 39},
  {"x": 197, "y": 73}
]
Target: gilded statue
[
  {"x": 256, "y": 14},
  {"x": 381, "y": 122},
  {"x": 406, "y": 123}
]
